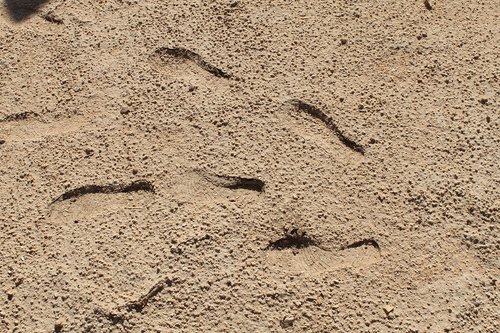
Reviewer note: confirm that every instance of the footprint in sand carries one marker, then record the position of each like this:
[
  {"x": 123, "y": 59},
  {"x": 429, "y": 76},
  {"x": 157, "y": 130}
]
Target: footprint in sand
[{"x": 28, "y": 126}]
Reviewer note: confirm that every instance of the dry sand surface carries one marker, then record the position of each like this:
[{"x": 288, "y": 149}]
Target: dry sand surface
[{"x": 249, "y": 166}]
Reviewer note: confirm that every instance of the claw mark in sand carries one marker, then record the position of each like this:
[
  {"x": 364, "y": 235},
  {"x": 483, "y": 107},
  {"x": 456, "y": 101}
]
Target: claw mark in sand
[
  {"x": 182, "y": 53},
  {"x": 139, "y": 185},
  {"x": 329, "y": 122},
  {"x": 234, "y": 183}
]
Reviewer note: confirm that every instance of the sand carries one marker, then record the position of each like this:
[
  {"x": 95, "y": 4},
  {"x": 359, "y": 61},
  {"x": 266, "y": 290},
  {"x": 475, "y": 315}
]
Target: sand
[{"x": 249, "y": 166}]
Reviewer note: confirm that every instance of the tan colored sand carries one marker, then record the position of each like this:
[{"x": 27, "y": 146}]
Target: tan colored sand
[{"x": 307, "y": 166}]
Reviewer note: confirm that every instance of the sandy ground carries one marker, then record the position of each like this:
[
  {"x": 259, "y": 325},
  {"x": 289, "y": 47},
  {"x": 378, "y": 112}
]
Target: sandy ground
[{"x": 249, "y": 166}]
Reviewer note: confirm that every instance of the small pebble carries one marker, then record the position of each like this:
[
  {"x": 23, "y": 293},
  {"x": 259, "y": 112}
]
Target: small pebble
[
  {"x": 58, "y": 326},
  {"x": 388, "y": 309},
  {"x": 287, "y": 322},
  {"x": 10, "y": 294}
]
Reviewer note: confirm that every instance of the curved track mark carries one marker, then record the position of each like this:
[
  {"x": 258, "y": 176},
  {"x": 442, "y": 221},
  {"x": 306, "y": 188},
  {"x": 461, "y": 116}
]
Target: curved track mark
[
  {"x": 329, "y": 122},
  {"x": 182, "y": 53},
  {"x": 364, "y": 242},
  {"x": 139, "y": 185},
  {"x": 234, "y": 182},
  {"x": 298, "y": 252}
]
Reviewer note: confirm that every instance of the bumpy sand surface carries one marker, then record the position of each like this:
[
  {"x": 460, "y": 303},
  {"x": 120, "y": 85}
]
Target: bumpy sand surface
[{"x": 249, "y": 166}]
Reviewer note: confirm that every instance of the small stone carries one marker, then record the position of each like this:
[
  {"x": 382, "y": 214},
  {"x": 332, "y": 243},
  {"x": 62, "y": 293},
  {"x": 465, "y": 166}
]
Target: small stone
[
  {"x": 58, "y": 326},
  {"x": 11, "y": 294},
  {"x": 18, "y": 281},
  {"x": 234, "y": 3},
  {"x": 427, "y": 4},
  {"x": 423, "y": 35},
  {"x": 343, "y": 41},
  {"x": 287, "y": 322},
  {"x": 124, "y": 110},
  {"x": 50, "y": 17},
  {"x": 135, "y": 171},
  {"x": 488, "y": 119},
  {"x": 2, "y": 142},
  {"x": 483, "y": 101},
  {"x": 388, "y": 309}
]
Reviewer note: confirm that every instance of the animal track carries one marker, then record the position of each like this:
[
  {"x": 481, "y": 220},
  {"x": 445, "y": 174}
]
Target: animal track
[
  {"x": 364, "y": 242},
  {"x": 184, "y": 54},
  {"x": 202, "y": 187},
  {"x": 118, "y": 315},
  {"x": 298, "y": 252},
  {"x": 28, "y": 126},
  {"x": 329, "y": 122},
  {"x": 293, "y": 238},
  {"x": 140, "y": 185},
  {"x": 141, "y": 303},
  {"x": 234, "y": 183}
]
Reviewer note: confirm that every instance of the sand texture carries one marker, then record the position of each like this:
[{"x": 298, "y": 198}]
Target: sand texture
[{"x": 249, "y": 166}]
